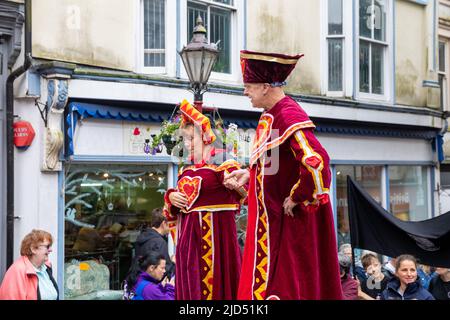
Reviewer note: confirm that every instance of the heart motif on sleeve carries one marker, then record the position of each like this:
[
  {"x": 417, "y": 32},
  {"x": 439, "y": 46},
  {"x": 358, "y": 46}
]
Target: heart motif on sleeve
[{"x": 191, "y": 188}]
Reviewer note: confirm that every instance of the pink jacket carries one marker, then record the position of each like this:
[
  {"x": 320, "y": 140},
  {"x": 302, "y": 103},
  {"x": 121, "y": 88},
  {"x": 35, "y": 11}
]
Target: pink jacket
[{"x": 20, "y": 281}]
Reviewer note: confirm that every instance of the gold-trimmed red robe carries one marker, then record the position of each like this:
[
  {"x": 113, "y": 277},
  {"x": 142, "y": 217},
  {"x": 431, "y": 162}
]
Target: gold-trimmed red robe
[
  {"x": 208, "y": 257},
  {"x": 289, "y": 257}
]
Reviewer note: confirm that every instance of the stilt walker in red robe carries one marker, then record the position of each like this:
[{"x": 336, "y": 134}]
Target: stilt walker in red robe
[
  {"x": 208, "y": 257},
  {"x": 290, "y": 250}
]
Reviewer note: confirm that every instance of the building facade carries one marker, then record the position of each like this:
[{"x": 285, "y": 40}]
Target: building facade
[
  {"x": 11, "y": 24},
  {"x": 444, "y": 60},
  {"x": 106, "y": 74},
  {"x": 369, "y": 79}
]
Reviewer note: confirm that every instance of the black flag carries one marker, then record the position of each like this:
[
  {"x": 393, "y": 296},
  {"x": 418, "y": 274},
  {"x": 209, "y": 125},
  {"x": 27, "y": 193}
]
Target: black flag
[{"x": 373, "y": 228}]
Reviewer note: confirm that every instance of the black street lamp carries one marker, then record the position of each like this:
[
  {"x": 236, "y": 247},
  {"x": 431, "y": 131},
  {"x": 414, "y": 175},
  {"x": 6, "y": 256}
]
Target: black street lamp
[{"x": 199, "y": 58}]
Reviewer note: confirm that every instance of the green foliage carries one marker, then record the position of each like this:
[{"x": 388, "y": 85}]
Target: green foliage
[{"x": 167, "y": 132}]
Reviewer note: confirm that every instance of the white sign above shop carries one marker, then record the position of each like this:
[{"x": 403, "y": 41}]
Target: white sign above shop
[{"x": 138, "y": 138}]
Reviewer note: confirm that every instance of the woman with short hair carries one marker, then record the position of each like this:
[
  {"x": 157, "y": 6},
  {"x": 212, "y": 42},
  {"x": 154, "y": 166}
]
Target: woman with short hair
[
  {"x": 30, "y": 277},
  {"x": 377, "y": 281}
]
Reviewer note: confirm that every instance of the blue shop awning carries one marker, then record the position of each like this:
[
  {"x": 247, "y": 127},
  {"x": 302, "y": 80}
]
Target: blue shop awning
[
  {"x": 81, "y": 110},
  {"x": 98, "y": 111}
]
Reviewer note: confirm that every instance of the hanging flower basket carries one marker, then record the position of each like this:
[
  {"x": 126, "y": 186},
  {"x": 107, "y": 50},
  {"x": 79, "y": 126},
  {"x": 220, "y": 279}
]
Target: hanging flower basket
[
  {"x": 169, "y": 143},
  {"x": 168, "y": 135}
]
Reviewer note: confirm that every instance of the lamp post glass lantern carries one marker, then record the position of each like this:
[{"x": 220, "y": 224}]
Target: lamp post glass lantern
[{"x": 199, "y": 58}]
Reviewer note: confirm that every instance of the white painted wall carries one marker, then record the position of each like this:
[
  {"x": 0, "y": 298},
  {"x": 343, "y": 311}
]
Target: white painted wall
[
  {"x": 102, "y": 137},
  {"x": 142, "y": 92},
  {"x": 36, "y": 193},
  {"x": 357, "y": 148},
  {"x": 109, "y": 137}
]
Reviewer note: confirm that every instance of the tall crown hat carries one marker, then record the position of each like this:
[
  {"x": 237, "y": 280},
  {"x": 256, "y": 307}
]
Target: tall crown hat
[
  {"x": 192, "y": 115},
  {"x": 273, "y": 68}
]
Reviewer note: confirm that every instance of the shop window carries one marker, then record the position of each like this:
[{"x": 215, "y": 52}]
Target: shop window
[
  {"x": 408, "y": 192},
  {"x": 370, "y": 179},
  {"x": 445, "y": 177},
  {"x": 105, "y": 208}
]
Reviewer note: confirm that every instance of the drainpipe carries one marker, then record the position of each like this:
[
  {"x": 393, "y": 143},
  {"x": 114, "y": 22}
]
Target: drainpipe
[{"x": 10, "y": 136}]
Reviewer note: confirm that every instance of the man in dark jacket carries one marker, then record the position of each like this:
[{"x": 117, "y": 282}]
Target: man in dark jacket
[
  {"x": 155, "y": 239},
  {"x": 440, "y": 284}
]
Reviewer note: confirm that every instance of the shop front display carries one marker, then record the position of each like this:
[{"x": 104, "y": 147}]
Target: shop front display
[
  {"x": 406, "y": 188},
  {"x": 106, "y": 206}
]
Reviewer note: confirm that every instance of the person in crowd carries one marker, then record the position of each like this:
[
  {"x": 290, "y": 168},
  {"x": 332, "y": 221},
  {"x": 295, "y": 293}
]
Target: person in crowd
[
  {"x": 423, "y": 273},
  {"x": 389, "y": 268},
  {"x": 440, "y": 284},
  {"x": 143, "y": 282},
  {"x": 208, "y": 257},
  {"x": 30, "y": 277},
  {"x": 405, "y": 285},
  {"x": 346, "y": 249},
  {"x": 349, "y": 285},
  {"x": 376, "y": 282},
  {"x": 343, "y": 228},
  {"x": 155, "y": 239}
]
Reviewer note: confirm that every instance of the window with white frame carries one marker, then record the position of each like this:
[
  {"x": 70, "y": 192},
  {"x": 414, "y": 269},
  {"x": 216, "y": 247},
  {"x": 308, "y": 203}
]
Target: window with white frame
[
  {"x": 443, "y": 73},
  {"x": 217, "y": 17},
  {"x": 335, "y": 45},
  {"x": 154, "y": 33},
  {"x": 373, "y": 46}
]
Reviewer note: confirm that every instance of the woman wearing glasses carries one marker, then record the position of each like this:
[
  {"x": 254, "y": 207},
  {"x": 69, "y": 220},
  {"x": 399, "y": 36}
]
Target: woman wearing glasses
[{"x": 30, "y": 276}]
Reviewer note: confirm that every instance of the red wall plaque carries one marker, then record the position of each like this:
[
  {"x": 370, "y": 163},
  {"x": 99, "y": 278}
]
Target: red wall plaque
[{"x": 23, "y": 134}]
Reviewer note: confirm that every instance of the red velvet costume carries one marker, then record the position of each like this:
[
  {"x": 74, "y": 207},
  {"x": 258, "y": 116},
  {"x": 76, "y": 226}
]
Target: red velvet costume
[
  {"x": 208, "y": 257},
  {"x": 287, "y": 257}
]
